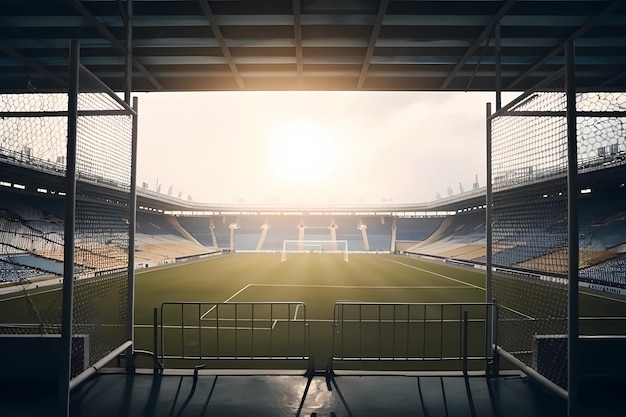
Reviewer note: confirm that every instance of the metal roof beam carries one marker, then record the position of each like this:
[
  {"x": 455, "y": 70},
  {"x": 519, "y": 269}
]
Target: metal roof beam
[
  {"x": 616, "y": 77},
  {"x": 297, "y": 32},
  {"x": 93, "y": 20},
  {"x": 382, "y": 10},
  {"x": 479, "y": 40},
  {"x": 206, "y": 9},
  {"x": 32, "y": 64},
  {"x": 590, "y": 24}
]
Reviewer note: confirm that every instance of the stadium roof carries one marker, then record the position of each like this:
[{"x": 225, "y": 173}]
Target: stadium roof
[{"x": 194, "y": 45}]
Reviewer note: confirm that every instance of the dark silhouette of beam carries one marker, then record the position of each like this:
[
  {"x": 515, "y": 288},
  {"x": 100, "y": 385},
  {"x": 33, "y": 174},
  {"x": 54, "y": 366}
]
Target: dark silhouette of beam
[
  {"x": 93, "y": 20},
  {"x": 578, "y": 33},
  {"x": 206, "y": 9},
  {"x": 478, "y": 41},
  {"x": 382, "y": 10}
]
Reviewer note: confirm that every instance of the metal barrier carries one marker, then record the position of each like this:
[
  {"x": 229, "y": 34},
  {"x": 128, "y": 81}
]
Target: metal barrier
[
  {"x": 412, "y": 332},
  {"x": 235, "y": 331}
]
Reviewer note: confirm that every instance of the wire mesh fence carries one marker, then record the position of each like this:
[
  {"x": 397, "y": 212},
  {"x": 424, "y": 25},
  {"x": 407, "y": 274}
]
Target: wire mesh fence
[
  {"x": 530, "y": 219},
  {"x": 33, "y": 139}
]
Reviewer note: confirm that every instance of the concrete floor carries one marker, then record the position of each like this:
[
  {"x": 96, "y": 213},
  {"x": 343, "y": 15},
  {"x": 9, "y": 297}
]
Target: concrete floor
[{"x": 115, "y": 393}]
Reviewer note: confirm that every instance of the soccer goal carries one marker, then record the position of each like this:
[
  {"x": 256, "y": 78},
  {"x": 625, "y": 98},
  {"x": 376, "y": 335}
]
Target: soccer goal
[{"x": 315, "y": 246}]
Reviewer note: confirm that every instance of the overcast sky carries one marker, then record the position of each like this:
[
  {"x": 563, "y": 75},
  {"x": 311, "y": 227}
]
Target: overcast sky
[{"x": 303, "y": 147}]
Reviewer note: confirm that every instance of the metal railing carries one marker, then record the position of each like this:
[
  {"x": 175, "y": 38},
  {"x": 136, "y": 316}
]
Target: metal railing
[
  {"x": 236, "y": 331},
  {"x": 413, "y": 332}
]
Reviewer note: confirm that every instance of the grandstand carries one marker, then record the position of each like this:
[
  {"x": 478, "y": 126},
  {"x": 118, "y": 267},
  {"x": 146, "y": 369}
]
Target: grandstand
[
  {"x": 33, "y": 234},
  {"x": 113, "y": 297}
]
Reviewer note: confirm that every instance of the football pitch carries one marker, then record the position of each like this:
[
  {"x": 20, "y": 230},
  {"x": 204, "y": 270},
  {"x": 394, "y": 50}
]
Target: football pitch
[
  {"x": 375, "y": 311},
  {"x": 317, "y": 281}
]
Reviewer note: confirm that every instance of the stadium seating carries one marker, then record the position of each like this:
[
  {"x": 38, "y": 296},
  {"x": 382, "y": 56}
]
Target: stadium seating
[
  {"x": 378, "y": 232},
  {"x": 347, "y": 229},
  {"x": 32, "y": 228},
  {"x": 199, "y": 227},
  {"x": 455, "y": 237},
  {"x": 281, "y": 228},
  {"x": 416, "y": 229},
  {"x": 248, "y": 232}
]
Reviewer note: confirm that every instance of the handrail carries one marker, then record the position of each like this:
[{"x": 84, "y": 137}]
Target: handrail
[
  {"x": 83, "y": 376},
  {"x": 536, "y": 376}
]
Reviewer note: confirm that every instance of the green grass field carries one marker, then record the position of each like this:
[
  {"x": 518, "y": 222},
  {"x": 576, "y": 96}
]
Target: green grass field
[{"x": 319, "y": 281}]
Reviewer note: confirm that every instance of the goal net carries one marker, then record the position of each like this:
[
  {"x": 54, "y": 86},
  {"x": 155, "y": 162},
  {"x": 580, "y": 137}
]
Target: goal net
[{"x": 315, "y": 246}]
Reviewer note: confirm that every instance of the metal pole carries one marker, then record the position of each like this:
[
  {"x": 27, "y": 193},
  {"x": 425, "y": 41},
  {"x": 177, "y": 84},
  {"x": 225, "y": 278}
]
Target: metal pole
[
  {"x": 132, "y": 221},
  {"x": 128, "y": 63},
  {"x": 572, "y": 224},
  {"x": 155, "y": 338},
  {"x": 87, "y": 373},
  {"x": 490, "y": 324},
  {"x": 70, "y": 223},
  {"x": 536, "y": 376},
  {"x": 498, "y": 67},
  {"x": 465, "y": 336}
]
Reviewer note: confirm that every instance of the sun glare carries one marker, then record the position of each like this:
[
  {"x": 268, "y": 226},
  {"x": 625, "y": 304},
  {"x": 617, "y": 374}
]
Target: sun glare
[{"x": 302, "y": 153}]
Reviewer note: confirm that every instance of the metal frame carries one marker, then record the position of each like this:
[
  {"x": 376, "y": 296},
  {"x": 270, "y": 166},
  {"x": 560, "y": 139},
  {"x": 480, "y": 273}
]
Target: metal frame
[
  {"x": 176, "y": 315},
  {"x": 361, "y": 315},
  {"x": 78, "y": 72},
  {"x": 70, "y": 222},
  {"x": 572, "y": 225},
  {"x": 571, "y": 394},
  {"x": 322, "y": 45}
]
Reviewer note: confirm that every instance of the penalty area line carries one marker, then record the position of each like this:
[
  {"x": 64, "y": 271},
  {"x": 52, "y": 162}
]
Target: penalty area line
[
  {"x": 374, "y": 287},
  {"x": 227, "y": 300}
]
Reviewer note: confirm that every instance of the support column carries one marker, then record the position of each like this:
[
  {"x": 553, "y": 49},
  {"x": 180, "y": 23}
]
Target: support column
[
  {"x": 491, "y": 325},
  {"x": 132, "y": 225},
  {"x": 572, "y": 225},
  {"x": 70, "y": 224},
  {"x": 498, "y": 67},
  {"x": 394, "y": 231},
  {"x": 128, "y": 62}
]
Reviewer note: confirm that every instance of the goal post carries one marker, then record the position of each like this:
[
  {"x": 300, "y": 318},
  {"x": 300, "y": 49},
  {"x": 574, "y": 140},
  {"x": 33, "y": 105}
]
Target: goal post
[{"x": 315, "y": 246}]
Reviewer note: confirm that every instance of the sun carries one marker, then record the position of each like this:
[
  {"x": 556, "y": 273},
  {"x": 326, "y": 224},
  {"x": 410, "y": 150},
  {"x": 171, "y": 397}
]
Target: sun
[{"x": 302, "y": 153}]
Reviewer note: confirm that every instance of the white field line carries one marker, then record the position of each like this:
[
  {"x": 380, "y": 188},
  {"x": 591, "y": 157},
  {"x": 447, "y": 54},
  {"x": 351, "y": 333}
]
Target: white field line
[
  {"x": 602, "y": 296},
  {"x": 33, "y": 293},
  {"x": 517, "y": 312},
  {"x": 32, "y": 286},
  {"x": 376, "y": 287},
  {"x": 227, "y": 300},
  {"x": 237, "y": 293},
  {"x": 434, "y": 273},
  {"x": 480, "y": 288}
]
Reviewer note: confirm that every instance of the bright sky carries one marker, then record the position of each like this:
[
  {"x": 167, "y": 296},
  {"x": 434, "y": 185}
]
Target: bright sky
[{"x": 312, "y": 147}]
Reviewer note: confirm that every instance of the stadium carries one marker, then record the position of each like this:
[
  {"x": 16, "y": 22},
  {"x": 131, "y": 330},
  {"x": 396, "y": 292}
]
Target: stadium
[{"x": 508, "y": 299}]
